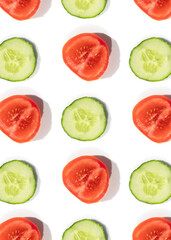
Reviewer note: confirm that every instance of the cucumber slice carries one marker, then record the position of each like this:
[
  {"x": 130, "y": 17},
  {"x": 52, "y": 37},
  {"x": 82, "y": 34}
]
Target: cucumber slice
[
  {"x": 17, "y": 59},
  {"x": 84, "y": 119},
  {"x": 151, "y": 59},
  {"x": 17, "y": 182},
  {"x": 151, "y": 182},
  {"x": 85, "y": 229},
  {"x": 84, "y": 8}
]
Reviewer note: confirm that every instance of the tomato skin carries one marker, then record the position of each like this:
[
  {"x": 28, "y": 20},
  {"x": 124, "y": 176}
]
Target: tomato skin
[
  {"x": 153, "y": 228},
  {"x": 87, "y": 178},
  {"x": 158, "y": 10},
  {"x": 87, "y": 55},
  {"x": 21, "y": 9},
  {"x": 152, "y": 116},
  {"x": 19, "y": 227},
  {"x": 19, "y": 118}
]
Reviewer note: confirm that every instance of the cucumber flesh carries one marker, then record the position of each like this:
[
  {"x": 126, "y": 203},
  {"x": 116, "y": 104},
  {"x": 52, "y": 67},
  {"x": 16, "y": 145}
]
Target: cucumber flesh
[
  {"x": 84, "y": 119},
  {"x": 84, "y": 8},
  {"x": 151, "y": 182},
  {"x": 85, "y": 229},
  {"x": 151, "y": 59},
  {"x": 17, "y": 182},
  {"x": 17, "y": 59}
]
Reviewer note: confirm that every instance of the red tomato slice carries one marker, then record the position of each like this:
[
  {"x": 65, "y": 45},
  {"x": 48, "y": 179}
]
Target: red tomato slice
[
  {"x": 156, "y": 9},
  {"x": 20, "y": 9},
  {"x": 87, "y": 55},
  {"x": 19, "y": 118},
  {"x": 153, "y": 228},
  {"x": 87, "y": 178},
  {"x": 152, "y": 116},
  {"x": 19, "y": 228}
]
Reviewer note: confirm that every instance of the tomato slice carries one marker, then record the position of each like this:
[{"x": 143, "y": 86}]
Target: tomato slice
[
  {"x": 20, "y": 9},
  {"x": 19, "y": 118},
  {"x": 19, "y": 228},
  {"x": 152, "y": 116},
  {"x": 87, "y": 55},
  {"x": 156, "y": 9},
  {"x": 87, "y": 178},
  {"x": 153, "y": 228}
]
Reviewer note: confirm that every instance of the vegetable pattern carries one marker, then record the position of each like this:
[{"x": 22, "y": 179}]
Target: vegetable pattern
[{"x": 22, "y": 11}]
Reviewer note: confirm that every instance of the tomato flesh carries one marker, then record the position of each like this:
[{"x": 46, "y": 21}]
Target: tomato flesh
[
  {"x": 87, "y": 55},
  {"x": 153, "y": 228},
  {"x": 20, "y": 9},
  {"x": 156, "y": 9},
  {"x": 19, "y": 118},
  {"x": 87, "y": 178},
  {"x": 19, "y": 228},
  {"x": 152, "y": 116}
]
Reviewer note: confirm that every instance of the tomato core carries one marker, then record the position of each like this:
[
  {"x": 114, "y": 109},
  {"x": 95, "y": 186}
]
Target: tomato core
[
  {"x": 87, "y": 178},
  {"x": 19, "y": 118},
  {"x": 19, "y": 228},
  {"x": 87, "y": 55},
  {"x": 153, "y": 228},
  {"x": 158, "y": 9},
  {"x": 21, "y": 9},
  {"x": 152, "y": 116}
]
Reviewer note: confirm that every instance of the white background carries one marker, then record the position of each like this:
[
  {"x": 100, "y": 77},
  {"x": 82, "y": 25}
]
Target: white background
[{"x": 53, "y": 207}]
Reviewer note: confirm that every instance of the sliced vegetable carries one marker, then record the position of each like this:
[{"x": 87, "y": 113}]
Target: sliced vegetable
[
  {"x": 84, "y": 119},
  {"x": 84, "y": 8},
  {"x": 19, "y": 228},
  {"x": 17, "y": 182},
  {"x": 84, "y": 229},
  {"x": 87, "y": 55},
  {"x": 19, "y": 118},
  {"x": 158, "y": 10},
  {"x": 151, "y": 182},
  {"x": 151, "y": 59},
  {"x": 152, "y": 116},
  {"x": 21, "y": 9},
  {"x": 17, "y": 59},
  {"x": 87, "y": 178},
  {"x": 153, "y": 228}
]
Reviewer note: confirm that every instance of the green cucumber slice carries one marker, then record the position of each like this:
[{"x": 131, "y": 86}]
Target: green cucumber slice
[
  {"x": 84, "y": 8},
  {"x": 85, "y": 229},
  {"x": 84, "y": 119},
  {"x": 17, "y": 182},
  {"x": 151, "y": 59},
  {"x": 151, "y": 182},
  {"x": 17, "y": 59}
]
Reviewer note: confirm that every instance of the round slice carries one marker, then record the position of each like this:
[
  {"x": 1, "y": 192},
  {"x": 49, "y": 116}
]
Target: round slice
[
  {"x": 19, "y": 118},
  {"x": 87, "y": 178},
  {"x": 17, "y": 59},
  {"x": 153, "y": 228},
  {"x": 158, "y": 10},
  {"x": 84, "y": 8},
  {"x": 84, "y": 119},
  {"x": 17, "y": 182},
  {"x": 19, "y": 228},
  {"x": 20, "y": 9},
  {"x": 87, "y": 55},
  {"x": 151, "y": 59},
  {"x": 151, "y": 182},
  {"x": 152, "y": 116},
  {"x": 84, "y": 229}
]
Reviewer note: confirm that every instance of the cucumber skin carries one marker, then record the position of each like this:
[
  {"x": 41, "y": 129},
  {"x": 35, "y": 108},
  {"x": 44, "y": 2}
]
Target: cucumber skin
[
  {"x": 137, "y": 47},
  {"x": 35, "y": 62},
  {"x": 35, "y": 182},
  {"x": 78, "y": 138},
  {"x": 136, "y": 170},
  {"x": 85, "y": 17},
  {"x": 82, "y": 221}
]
